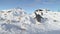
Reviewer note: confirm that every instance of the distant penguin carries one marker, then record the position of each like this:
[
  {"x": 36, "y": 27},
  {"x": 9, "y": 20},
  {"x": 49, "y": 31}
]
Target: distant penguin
[{"x": 38, "y": 17}]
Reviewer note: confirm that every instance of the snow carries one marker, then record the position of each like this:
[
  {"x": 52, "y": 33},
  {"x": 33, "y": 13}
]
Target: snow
[{"x": 17, "y": 21}]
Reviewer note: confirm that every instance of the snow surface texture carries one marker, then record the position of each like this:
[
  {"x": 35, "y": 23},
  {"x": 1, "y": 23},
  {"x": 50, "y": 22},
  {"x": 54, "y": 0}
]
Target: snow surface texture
[{"x": 16, "y": 21}]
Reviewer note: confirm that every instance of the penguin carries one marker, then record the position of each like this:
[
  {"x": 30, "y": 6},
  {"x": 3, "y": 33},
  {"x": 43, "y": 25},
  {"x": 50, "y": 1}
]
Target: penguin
[{"x": 38, "y": 17}]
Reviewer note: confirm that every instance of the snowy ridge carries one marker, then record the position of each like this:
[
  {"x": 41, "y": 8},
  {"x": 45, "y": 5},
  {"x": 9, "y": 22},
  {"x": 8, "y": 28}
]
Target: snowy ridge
[{"x": 16, "y": 21}]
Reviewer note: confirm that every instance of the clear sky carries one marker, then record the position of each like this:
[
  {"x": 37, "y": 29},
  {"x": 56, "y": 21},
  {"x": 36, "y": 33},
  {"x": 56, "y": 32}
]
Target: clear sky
[{"x": 30, "y": 5}]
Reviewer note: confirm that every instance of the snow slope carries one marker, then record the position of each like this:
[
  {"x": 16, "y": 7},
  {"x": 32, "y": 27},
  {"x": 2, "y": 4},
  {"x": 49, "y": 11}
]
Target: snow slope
[{"x": 16, "y": 21}]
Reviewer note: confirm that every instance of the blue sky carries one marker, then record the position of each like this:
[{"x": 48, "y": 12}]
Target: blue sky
[{"x": 30, "y": 5}]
